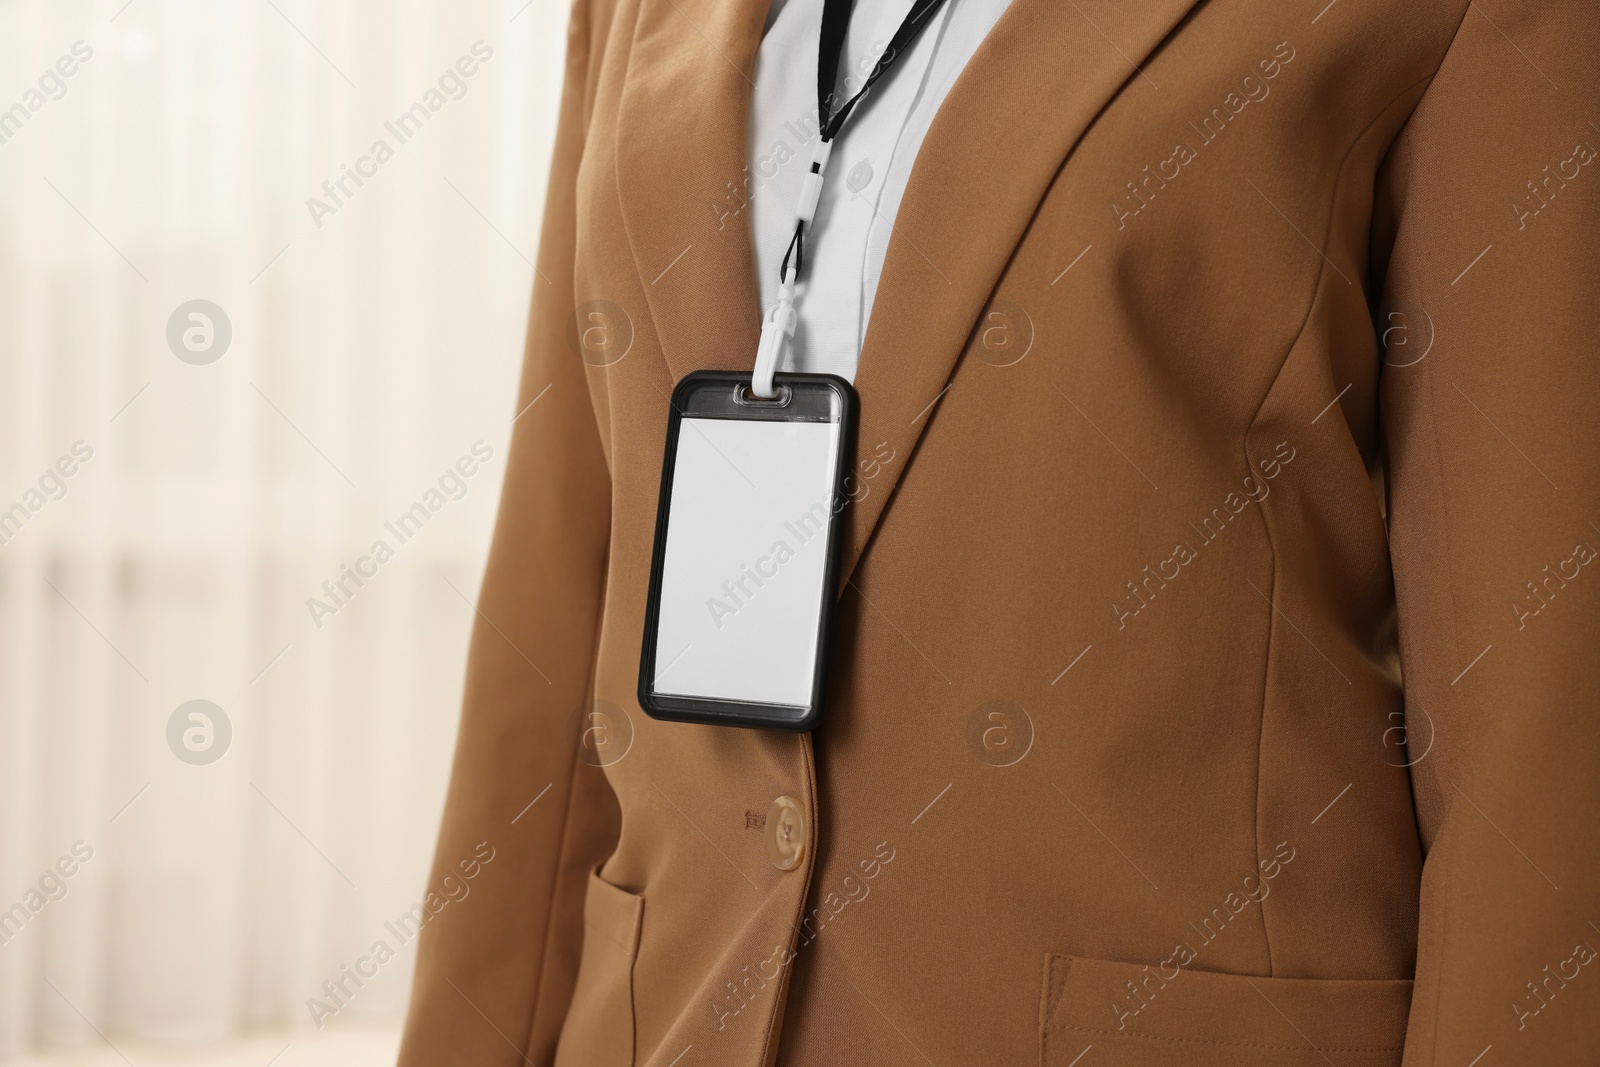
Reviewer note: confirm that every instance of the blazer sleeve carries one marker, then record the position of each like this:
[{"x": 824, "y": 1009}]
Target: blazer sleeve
[
  {"x": 495, "y": 968},
  {"x": 1486, "y": 244}
]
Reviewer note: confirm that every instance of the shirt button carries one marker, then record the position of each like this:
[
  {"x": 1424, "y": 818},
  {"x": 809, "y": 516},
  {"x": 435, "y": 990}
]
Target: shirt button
[
  {"x": 786, "y": 834},
  {"x": 859, "y": 177}
]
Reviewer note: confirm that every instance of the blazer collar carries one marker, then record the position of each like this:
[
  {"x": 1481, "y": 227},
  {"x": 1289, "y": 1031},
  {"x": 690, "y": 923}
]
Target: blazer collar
[
  {"x": 680, "y": 160},
  {"x": 1039, "y": 79}
]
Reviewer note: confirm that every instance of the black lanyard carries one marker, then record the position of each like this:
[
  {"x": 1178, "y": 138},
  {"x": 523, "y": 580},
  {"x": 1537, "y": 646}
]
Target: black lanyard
[{"x": 835, "y": 27}]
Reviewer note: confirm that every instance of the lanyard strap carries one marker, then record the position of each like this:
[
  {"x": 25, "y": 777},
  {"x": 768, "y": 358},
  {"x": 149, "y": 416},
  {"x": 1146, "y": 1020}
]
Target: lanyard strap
[
  {"x": 835, "y": 25},
  {"x": 779, "y": 326}
]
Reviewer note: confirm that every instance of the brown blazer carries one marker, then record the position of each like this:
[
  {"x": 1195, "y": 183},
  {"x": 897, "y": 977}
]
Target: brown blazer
[{"x": 1216, "y": 678}]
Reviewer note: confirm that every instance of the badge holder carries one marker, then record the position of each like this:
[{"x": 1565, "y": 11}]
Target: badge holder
[{"x": 744, "y": 571}]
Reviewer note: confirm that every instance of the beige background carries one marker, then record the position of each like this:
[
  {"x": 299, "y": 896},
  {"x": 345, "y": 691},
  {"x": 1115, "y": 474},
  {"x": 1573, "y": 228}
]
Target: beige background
[{"x": 367, "y": 355}]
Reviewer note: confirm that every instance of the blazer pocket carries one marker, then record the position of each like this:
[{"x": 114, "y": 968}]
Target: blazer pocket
[
  {"x": 598, "y": 1031},
  {"x": 1136, "y": 1016}
]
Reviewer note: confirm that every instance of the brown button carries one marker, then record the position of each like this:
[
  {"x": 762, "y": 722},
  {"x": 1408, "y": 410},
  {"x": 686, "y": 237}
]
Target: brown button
[{"x": 786, "y": 834}]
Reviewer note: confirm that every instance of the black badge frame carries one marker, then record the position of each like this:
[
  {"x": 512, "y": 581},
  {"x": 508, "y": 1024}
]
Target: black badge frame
[{"x": 712, "y": 394}]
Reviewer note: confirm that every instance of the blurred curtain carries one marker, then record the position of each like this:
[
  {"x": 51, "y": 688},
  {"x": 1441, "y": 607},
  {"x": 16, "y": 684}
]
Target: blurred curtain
[{"x": 374, "y": 343}]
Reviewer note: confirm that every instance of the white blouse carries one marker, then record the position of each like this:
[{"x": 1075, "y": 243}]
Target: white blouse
[{"x": 866, "y": 175}]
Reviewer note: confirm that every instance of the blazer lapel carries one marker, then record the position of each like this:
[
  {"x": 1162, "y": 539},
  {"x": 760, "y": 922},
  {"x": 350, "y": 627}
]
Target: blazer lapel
[
  {"x": 1030, "y": 91},
  {"x": 680, "y": 158}
]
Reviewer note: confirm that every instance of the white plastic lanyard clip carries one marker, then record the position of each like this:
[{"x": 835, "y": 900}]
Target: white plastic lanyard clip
[{"x": 778, "y": 329}]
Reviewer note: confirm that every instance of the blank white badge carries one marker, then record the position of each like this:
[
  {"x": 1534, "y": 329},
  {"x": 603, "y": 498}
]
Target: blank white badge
[{"x": 746, "y": 558}]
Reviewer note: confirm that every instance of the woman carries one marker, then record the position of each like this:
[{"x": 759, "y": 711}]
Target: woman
[{"x": 1213, "y": 676}]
